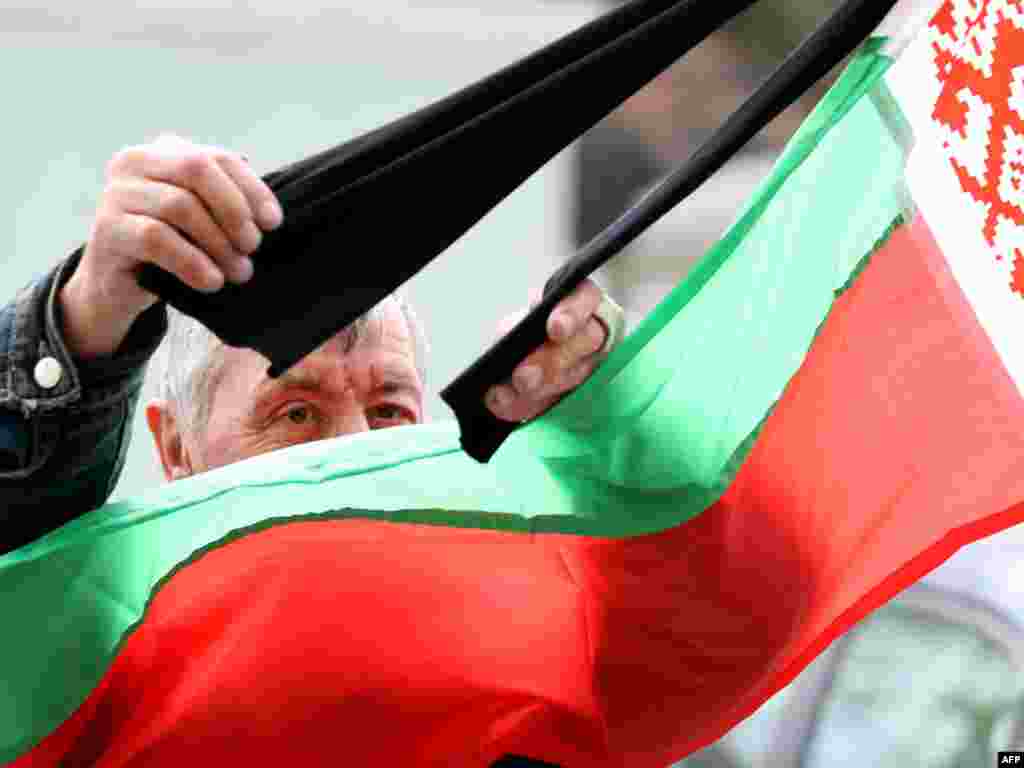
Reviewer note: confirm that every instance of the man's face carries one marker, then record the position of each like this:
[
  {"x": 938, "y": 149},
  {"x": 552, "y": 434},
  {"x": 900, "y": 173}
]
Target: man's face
[{"x": 339, "y": 389}]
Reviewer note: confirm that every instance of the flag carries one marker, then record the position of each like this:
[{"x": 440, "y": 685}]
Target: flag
[{"x": 824, "y": 410}]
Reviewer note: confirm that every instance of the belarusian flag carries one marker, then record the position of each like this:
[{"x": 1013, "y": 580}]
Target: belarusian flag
[{"x": 825, "y": 409}]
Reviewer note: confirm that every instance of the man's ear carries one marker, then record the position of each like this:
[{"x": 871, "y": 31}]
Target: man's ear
[{"x": 167, "y": 437}]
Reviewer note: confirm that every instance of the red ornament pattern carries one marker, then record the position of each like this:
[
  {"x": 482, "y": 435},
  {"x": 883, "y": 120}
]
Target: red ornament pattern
[{"x": 979, "y": 57}]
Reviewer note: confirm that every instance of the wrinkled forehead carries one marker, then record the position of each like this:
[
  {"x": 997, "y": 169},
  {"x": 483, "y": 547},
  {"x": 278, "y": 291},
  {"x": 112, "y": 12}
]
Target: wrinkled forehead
[{"x": 385, "y": 324}]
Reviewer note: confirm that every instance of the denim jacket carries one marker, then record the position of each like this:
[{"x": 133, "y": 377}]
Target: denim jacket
[{"x": 64, "y": 423}]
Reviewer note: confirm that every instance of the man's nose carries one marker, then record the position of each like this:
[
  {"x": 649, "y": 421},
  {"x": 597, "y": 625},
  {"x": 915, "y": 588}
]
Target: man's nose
[
  {"x": 347, "y": 403},
  {"x": 350, "y": 420}
]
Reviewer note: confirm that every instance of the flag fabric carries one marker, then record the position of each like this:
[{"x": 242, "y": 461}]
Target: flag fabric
[{"x": 825, "y": 409}]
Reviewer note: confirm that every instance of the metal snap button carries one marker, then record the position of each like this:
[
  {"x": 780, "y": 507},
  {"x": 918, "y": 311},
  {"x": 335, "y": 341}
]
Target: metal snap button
[{"x": 48, "y": 373}]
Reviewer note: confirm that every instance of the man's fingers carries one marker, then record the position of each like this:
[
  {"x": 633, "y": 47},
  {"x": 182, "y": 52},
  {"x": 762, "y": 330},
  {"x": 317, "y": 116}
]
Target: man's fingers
[
  {"x": 572, "y": 312},
  {"x": 500, "y": 398},
  {"x": 567, "y": 317},
  {"x": 547, "y": 365},
  {"x": 583, "y": 344},
  {"x": 201, "y": 173},
  {"x": 165, "y": 247},
  {"x": 548, "y": 373},
  {"x": 505, "y": 402},
  {"x": 559, "y": 365},
  {"x": 262, "y": 200},
  {"x": 181, "y": 209},
  {"x": 186, "y": 165}
]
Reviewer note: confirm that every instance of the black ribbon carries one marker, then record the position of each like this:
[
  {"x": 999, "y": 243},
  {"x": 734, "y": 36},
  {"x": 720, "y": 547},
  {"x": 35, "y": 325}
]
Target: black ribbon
[{"x": 363, "y": 217}]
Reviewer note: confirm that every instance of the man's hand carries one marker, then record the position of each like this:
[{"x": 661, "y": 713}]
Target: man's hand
[
  {"x": 576, "y": 336},
  {"x": 195, "y": 211}
]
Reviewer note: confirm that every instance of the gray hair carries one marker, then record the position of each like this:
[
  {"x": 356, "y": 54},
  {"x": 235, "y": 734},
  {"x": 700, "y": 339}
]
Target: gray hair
[{"x": 189, "y": 359}]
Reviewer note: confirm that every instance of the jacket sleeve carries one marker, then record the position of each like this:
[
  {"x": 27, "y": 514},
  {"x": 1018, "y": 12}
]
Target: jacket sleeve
[{"x": 64, "y": 423}]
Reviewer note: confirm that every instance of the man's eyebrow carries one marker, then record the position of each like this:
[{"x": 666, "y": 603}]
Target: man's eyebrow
[
  {"x": 393, "y": 381},
  {"x": 397, "y": 380},
  {"x": 294, "y": 378}
]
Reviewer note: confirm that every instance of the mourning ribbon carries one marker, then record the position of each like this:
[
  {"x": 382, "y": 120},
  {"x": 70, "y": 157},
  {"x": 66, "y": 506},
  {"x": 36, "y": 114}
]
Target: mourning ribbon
[{"x": 363, "y": 217}]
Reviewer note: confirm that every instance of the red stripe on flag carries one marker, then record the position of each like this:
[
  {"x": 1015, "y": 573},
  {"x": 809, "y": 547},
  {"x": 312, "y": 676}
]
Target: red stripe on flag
[{"x": 898, "y": 441}]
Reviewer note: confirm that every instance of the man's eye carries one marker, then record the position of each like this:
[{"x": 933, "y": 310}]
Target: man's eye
[
  {"x": 390, "y": 413},
  {"x": 299, "y": 414}
]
